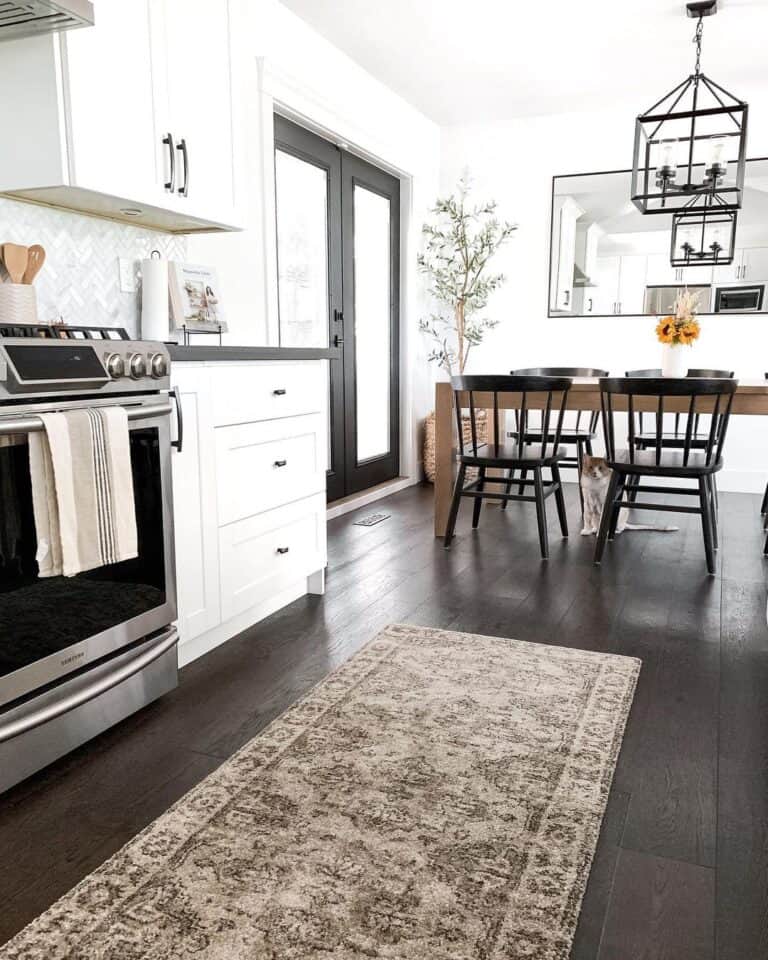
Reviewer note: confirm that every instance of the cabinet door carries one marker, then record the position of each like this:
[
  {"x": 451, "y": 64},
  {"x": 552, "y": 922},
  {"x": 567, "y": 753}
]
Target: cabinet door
[
  {"x": 755, "y": 264},
  {"x": 194, "y": 507},
  {"x": 602, "y": 298},
  {"x": 632, "y": 284},
  {"x": 198, "y": 81},
  {"x": 696, "y": 276},
  {"x": 660, "y": 273},
  {"x": 108, "y": 86}
]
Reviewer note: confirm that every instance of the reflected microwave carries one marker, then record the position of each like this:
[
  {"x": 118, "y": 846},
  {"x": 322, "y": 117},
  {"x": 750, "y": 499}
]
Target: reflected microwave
[{"x": 747, "y": 298}]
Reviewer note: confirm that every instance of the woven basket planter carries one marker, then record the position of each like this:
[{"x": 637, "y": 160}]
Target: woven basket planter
[{"x": 466, "y": 429}]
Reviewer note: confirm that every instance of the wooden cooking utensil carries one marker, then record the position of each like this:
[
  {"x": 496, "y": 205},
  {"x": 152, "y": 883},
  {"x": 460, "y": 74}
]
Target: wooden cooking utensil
[
  {"x": 15, "y": 259},
  {"x": 36, "y": 260}
]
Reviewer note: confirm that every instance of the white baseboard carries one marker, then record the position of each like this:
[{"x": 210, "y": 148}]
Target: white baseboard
[
  {"x": 362, "y": 499},
  {"x": 190, "y": 650}
]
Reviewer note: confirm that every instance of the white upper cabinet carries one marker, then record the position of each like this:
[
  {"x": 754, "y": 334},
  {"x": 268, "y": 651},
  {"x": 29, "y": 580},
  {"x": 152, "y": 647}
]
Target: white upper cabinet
[
  {"x": 89, "y": 113},
  {"x": 194, "y": 103},
  {"x": 660, "y": 272},
  {"x": 754, "y": 264}
]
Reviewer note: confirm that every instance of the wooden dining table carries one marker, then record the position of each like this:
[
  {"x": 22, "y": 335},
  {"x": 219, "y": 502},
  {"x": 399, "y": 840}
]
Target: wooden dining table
[{"x": 751, "y": 399}]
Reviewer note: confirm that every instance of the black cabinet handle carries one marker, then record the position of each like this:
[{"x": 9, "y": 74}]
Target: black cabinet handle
[
  {"x": 280, "y": 392},
  {"x": 280, "y": 463},
  {"x": 179, "y": 441},
  {"x": 337, "y": 340},
  {"x": 184, "y": 190},
  {"x": 283, "y": 549},
  {"x": 168, "y": 141}
]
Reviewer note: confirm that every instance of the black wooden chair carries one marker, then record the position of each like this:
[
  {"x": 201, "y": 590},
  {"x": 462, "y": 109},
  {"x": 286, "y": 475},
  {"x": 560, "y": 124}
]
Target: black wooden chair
[
  {"x": 713, "y": 397},
  {"x": 675, "y": 439},
  {"x": 579, "y": 434},
  {"x": 549, "y": 394}
]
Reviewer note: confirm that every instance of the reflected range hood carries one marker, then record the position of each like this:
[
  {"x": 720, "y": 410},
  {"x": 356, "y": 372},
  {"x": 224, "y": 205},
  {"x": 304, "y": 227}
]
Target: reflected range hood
[
  {"x": 580, "y": 279},
  {"x": 35, "y": 17}
]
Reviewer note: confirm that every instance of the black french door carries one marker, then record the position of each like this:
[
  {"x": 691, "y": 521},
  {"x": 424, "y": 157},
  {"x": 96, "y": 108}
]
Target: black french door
[{"x": 338, "y": 246}]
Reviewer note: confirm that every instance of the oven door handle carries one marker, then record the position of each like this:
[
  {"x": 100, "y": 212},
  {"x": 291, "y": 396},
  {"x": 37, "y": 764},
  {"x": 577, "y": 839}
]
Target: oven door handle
[
  {"x": 53, "y": 710},
  {"x": 178, "y": 443},
  {"x": 10, "y": 426}
]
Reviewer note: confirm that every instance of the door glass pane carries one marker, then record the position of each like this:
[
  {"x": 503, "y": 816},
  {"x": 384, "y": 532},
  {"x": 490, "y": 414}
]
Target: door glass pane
[
  {"x": 302, "y": 251},
  {"x": 372, "y": 322}
]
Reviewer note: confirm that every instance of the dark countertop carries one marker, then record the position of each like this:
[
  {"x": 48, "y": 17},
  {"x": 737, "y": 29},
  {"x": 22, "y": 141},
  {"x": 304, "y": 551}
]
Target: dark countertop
[{"x": 215, "y": 353}]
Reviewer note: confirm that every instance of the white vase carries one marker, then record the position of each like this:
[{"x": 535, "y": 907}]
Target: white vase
[{"x": 674, "y": 360}]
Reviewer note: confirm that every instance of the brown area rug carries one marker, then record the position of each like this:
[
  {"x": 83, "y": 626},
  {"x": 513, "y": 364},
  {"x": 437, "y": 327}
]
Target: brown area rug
[{"x": 437, "y": 798}]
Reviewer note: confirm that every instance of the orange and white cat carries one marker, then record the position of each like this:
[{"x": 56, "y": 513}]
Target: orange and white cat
[{"x": 595, "y": 477}]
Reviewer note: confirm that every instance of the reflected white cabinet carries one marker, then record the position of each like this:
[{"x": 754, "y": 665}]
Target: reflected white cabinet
[
  {"x": 749, "y": 264},
  {"x": 566, "y": 212},
  {"x": 620, "y": 285}
]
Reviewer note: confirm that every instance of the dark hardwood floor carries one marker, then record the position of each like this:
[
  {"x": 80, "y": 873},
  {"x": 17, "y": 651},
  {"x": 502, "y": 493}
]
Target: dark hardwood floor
[{"x": 681, "y": 871}]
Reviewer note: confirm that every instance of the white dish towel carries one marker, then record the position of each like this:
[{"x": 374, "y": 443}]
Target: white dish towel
[{"x": 82, "y": 491}]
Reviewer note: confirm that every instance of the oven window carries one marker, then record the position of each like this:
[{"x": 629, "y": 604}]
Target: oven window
[{"x": 40, "y": 617}]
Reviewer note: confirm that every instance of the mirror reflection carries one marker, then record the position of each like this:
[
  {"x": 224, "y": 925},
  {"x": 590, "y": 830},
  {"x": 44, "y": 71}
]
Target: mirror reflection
[{"x": 606, "y": 258}]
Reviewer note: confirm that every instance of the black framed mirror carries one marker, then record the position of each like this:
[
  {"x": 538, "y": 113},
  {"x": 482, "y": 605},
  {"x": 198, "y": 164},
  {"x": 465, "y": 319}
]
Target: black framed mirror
[{"x": 607, "y": 259}]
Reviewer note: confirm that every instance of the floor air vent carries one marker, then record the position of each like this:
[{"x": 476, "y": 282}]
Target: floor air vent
[{"x": 372, "y": 520}]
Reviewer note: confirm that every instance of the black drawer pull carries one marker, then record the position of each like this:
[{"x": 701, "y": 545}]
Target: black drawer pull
[
  {"x": 280, "y": 463},
  {"x": 283, "y": 549},
  {"x": 280, "y": 392}
]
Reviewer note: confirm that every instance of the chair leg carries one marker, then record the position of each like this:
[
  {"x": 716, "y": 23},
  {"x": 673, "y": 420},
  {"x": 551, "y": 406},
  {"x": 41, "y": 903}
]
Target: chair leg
[
  {"x": 478, "y": 500},
  {"x": 706, "y": 525},
  {"x": 713, "y": 510},
  {"x": 765, "y": 548},
  {"x": 560, "y": 500},
  {"x": 588, "y": 445},
  {"x": 605, "y": 519},
  {"x": 616, "y": 509},
  {"x": 541, "y": 512},
  {"x": 580, "y": 458},
  {"x": 508, "y": 488},
  {"x": 451, "y": 525},
  {"x": 764, "y": 505},
  {"x": 632, "y": 485},
  {"x": 521, "y": 487}
]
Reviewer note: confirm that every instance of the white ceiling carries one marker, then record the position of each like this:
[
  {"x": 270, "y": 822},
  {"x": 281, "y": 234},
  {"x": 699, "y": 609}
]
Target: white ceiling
[{"x": 475, "y": 61}]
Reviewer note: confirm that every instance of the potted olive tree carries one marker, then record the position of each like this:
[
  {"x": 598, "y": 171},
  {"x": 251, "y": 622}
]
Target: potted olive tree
[{"x": 458, "y": 245}]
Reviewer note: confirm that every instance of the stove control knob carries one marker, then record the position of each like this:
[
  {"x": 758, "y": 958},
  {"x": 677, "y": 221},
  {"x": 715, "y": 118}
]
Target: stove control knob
[
  {"x": 137, "y": 366},
  {"x": 158, "y": 366},
  {"x": 115, "y": 366}
]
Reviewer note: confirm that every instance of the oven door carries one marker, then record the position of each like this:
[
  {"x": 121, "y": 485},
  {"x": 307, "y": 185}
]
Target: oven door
[{"x": 51, "y": 627}]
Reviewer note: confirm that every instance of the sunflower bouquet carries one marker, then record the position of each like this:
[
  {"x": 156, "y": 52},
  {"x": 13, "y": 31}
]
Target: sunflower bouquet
[{"x": 680, "y": 328}]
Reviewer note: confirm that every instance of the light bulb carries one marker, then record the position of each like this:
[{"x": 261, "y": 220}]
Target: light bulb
[
  {"x": 667, "y": 166},
  {"x": 716, "y": 162}
]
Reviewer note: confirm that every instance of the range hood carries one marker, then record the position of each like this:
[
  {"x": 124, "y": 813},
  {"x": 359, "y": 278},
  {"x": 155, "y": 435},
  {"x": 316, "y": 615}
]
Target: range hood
[
  {"x": 31, "y": 18},
  {"x": 580, "y": 279}
]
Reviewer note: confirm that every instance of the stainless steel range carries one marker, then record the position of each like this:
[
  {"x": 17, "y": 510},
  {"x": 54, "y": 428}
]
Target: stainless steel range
[{"x": 78, "y": 654}]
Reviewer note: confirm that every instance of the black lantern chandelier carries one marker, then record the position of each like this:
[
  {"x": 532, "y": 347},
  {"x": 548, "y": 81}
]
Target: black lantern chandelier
[
  {"x": 703, "y": 235},
  {"x": 690, "y": 147}
]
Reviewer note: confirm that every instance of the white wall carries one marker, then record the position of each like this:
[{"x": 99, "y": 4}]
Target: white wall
[
  {"x": 514, "y": 163},
  {"x": 286, "y": 66}
]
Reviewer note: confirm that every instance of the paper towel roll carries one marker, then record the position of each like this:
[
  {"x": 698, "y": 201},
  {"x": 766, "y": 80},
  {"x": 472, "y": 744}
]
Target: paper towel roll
[{"x": 155, "y": 322}]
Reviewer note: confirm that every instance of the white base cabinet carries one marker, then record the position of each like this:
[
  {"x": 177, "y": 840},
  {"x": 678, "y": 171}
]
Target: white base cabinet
[{"x": 249, "y": 494}]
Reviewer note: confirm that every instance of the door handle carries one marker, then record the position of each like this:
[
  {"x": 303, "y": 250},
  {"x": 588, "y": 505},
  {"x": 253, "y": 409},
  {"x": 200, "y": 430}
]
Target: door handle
[
  {"x": 170, "y": 185},
  {"x": 179, "y": 441},
  {"x": 589, "y": 301},
  {"x": 283, "y": 550},
  {"x": 280, "y": 392},
  {"x": 337, "y": 340},
  {"x": 182, "y": 146},
  {"x": 567, "y": 295},
  {"x": 280, "y": 463}
]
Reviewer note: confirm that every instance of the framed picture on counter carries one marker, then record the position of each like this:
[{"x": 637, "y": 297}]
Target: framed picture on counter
[{"x": 195, "y": 303}]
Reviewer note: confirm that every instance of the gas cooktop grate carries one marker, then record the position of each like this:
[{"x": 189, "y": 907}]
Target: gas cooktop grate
[{"x": 62, "y": 332}]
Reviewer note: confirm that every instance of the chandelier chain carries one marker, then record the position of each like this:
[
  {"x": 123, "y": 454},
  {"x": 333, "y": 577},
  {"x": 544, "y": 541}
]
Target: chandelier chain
[{"x": 697, "y": 41}]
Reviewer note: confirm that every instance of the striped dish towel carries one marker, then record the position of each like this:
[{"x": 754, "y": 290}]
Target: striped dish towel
[{"x": 82, "y": 491}]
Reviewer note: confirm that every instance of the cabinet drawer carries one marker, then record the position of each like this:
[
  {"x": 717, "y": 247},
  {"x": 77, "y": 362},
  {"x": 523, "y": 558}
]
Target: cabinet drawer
[
  {"x": 263, "y": 555},
  {"x": 264, "y": 465},
  {"x": 267, "y": 390}
]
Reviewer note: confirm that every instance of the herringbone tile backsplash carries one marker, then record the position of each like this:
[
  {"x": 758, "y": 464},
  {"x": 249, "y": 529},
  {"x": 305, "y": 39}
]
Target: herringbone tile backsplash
[{"x": 80, "y": 280}]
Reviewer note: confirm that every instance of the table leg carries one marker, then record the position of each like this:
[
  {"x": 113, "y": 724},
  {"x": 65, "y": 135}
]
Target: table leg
[{"x": 443, "y": 455}]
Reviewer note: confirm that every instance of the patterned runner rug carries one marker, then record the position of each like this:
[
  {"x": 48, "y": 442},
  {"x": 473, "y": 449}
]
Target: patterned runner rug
[{"x": 439, "y": 797}]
